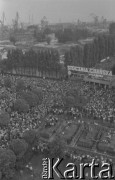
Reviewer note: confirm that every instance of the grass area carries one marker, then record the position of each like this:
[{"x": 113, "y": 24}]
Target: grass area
[{"x": 69, "y": 131}]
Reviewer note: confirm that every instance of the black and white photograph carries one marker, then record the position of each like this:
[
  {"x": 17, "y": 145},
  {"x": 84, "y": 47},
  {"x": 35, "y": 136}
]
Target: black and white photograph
[{"x": 57, "y": 89}]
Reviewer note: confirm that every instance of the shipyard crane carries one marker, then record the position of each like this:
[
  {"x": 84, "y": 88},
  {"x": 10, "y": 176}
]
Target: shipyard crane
[
  {"x": 16, "y": 21},
  {"x": 95, "y": 18},
  {"x": 3, "y": 19}
]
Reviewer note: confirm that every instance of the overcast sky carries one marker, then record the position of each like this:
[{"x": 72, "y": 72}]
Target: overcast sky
[{"x": 57, "y": 10}]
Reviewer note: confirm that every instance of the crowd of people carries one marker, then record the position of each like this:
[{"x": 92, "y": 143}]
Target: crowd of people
[
  {"x": 100, "y": 105},
  {"x": 20, "y": 122}
]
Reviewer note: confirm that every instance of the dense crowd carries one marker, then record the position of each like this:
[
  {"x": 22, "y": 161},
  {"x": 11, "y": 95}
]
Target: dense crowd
[
  {"x": 25, "y": 121},
  {"x": 100, "y": 105},
  {"x": 55, "y": 108}
]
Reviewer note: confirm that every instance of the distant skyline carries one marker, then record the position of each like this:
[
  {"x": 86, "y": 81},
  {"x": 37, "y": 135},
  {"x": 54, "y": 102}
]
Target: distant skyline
[{"x": 57, "y": 10}]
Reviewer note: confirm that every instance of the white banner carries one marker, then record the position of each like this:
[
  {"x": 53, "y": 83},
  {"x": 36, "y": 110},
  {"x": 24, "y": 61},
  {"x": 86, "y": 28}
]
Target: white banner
[{"x": 90, "y": 70}]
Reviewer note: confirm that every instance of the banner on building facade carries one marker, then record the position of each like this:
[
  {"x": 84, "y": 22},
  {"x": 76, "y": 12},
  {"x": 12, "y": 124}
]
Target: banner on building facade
[{"x": 89, "y": 70}]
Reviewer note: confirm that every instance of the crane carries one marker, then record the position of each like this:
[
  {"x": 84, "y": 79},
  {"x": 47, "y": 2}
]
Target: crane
[
  {"x": 3, "y": 19},
  {"x": 16, "y": 21},
  {"x": 95, "y": 18}
]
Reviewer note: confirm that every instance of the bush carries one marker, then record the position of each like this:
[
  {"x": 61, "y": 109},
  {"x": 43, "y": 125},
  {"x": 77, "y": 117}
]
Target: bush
[
  {"x": 21, "y": 106},
  {"x": 20, "y": 85},
  {"x": 30, "y": 98},
  {"x": 7, "y": 82},
  {"x": 7, "y": 163},
  {"x": 19, "y": 147},
  {"x": 29, "y": 136},
  {"x": 4, "y": 119}
]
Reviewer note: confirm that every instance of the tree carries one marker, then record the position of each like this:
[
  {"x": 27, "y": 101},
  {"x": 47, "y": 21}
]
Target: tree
[
  {"x": 29, "y": 136},
  {"x": 21, "y": 106},
  {"x": 19, "y": 147},
  {"x": 71, "y": 34},
  {"x": 42, "y": 60},
  {"x": 48, "y": 40},
  {"x": 13, "y": 39},
  {"x": 7, "y": 163},
  {"x": 90, "y": 54},
  {"x": 4, "y": 119}
]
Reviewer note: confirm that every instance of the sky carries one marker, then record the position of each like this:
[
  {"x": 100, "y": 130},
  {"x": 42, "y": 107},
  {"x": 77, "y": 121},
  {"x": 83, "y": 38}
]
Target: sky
[{"x": 57, "y": 10}]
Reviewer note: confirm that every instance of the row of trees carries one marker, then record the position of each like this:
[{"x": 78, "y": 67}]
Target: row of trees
[
  {"x": 87, "y": 55},
  {"x": 62, "y": 34},
  {"x": 91, "y": 53},
  {"x": 71, "y": 34},
  {"x": 40, "y": 36},
  {"x": 43, "y": 60}
]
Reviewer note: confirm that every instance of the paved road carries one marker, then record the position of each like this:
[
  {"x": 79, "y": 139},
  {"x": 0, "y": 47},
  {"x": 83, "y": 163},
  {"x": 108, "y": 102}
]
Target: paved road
[{"x": 92, "y": 151}]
